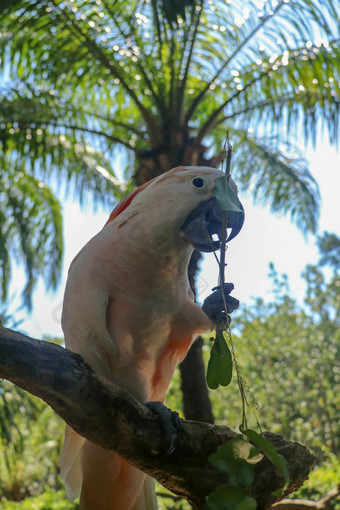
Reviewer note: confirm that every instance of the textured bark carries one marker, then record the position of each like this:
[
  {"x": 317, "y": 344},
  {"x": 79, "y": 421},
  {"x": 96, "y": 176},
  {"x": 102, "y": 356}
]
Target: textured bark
[{"x": 113, "y": 419}]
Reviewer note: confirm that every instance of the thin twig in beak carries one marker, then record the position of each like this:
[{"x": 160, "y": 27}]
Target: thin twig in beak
[{"x": 225, "y": 214}]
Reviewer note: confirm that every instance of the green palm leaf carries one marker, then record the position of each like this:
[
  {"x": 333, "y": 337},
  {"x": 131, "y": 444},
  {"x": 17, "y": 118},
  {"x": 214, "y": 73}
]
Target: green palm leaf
[
  {"x": 31, "y": 227},
  {"x": 277, "y": 175},
  {"x": 296, "y": 91},
  {"x": 53, "y": 140}
]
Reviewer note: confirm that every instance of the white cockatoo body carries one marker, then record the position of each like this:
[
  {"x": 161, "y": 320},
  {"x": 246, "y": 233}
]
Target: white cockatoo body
[{"x": 129, "y": 312}]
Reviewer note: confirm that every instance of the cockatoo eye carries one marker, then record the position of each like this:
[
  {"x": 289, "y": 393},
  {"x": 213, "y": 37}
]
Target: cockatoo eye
[{"x": 198, "y": 183}]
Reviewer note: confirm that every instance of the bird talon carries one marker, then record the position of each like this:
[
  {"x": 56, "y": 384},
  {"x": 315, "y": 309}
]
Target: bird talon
[
  {"x": 170, "y": 420},
  {"x": 219, "y": 304}
]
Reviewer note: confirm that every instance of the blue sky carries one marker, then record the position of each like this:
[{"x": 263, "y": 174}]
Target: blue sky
[{"x": 264, "y": 238}]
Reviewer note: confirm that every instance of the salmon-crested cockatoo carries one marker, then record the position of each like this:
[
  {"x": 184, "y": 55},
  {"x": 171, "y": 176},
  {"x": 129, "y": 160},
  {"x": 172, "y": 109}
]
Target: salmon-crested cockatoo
[{"x": 130, "y": 313}]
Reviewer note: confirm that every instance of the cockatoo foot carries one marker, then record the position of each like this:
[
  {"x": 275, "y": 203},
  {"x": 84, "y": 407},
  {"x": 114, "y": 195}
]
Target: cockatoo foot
[
  {"x": 218, "y": 305},
  {"x": 170, "y": 420}
]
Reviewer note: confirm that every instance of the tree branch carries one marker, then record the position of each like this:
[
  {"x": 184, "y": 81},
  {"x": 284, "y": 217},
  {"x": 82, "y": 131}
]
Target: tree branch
[
  {"x": 301, "y": 504},
  {"x": 113, "y": 419}
]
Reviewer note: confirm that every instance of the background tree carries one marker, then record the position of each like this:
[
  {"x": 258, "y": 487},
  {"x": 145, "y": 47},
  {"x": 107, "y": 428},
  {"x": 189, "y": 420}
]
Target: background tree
[{"x": 88, "y": 82}]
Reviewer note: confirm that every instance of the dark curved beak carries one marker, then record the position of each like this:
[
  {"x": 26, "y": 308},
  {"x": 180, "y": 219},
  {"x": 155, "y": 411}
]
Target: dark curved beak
[
  {"x": 205, "y": 221},
  {"x": 235, "y": 221}
]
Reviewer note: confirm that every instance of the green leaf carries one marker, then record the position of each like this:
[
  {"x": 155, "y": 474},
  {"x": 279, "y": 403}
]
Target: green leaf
[
  {"x": 230, "y": 498},
  {"x": 236, "y": 458},
  {"x": 271, "y": 453},
  {"x": 220, "y": 365},
  {"x": 226, "y": 196}
]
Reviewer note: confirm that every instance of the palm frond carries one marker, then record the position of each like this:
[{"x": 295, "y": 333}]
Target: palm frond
[
  {"x": 69, "y": 56},
  {"x": 296, "y": 90},
  {"x": 189, "y": 41},
  {"x": 30, "y": 227},
  {"x": 53, "y": 140},
  {"x": 277, "y": 175},
  {"x": 260, "y": 35}
]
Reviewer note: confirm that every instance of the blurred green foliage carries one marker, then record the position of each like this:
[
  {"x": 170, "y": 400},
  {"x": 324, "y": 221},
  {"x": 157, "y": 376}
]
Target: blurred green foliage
[
  {"x": 321, "y": 480},
  {"x": 48, "y": 500},
  {"x": 31, "y": 439},
  {"x": 288, "y": 355}
]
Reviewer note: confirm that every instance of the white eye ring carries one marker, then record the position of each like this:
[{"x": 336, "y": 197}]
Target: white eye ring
[{"x": 198, "y": 183}]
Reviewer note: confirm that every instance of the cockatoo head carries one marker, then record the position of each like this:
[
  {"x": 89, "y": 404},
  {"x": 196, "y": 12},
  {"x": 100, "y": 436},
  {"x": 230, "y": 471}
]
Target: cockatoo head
[
  {"x": 181, "y": 204},
  {"x": 203, "y": 225}
]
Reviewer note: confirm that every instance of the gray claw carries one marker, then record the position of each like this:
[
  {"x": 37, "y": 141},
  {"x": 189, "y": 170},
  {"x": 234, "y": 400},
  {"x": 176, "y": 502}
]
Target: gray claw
[
  {"x": 170, "y": 420},
  {"x": 214, "y": 305}
]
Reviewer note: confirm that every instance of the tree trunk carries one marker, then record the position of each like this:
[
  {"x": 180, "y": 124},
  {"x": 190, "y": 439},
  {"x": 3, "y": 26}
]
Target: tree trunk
[{"x": 196, "y": 401}]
